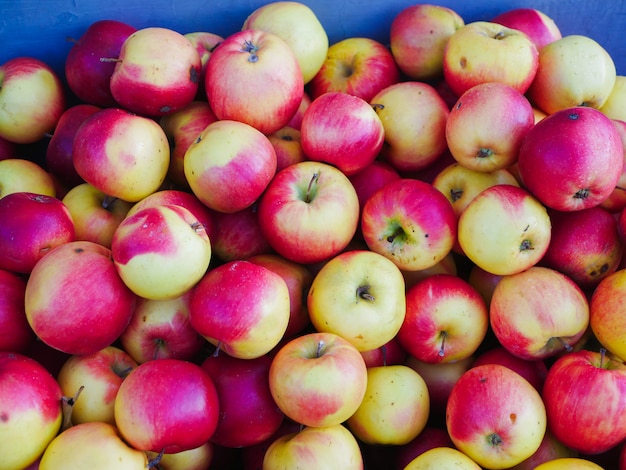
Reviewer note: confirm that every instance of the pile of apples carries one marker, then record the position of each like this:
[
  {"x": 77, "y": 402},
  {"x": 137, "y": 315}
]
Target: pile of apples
[{"x": 268, "y": 251}]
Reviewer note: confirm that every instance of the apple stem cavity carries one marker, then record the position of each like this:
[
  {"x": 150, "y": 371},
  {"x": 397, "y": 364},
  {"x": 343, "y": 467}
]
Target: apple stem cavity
[
  {"x": 67, "y": 404},
  {"x": 252, "y": 50},
  {"x": 363, "y": 292},
  {"x": 308, "y": 197}
]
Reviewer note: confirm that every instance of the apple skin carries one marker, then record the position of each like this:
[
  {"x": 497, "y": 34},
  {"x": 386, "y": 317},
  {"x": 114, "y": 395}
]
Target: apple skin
[
  {"x": 59, "y": 150},
  {"x": 294, "y": 203},
  {"x": 161, "y": 329},
  {"x": 417, "y": 37},
  {"x": 313, "y": 448},
  {"x": 16, "y": 334},
  {"x": 30, "y": 407},
  {"x": 495, "y": 433},
  {"x": 573, "y": 71},
  {"x": 72, "y": 288},
  {"x": 504, "y": 230},
  {"x": 537, "y": 25},
  {"x": 31, "y": 225},
  {"x": 101, "y": 374},
  {"x": 318, "y": 379},
  {"x": 585, "y": 245},
  {"x": 414, "y": 117},
  {"x": 167, "y": 405},
  {"x": 487, "y": 125},
  {"x": 21, "y": 175},
  {"x": 342, "y": 130},
  {"x": 95, "y": 216},
  {"x": 233, "y": 151},
  {"x": 563, "y": 149},
  {"x": 242, "y": 308},
  {"x": 360, "y": 296},
  {"x": 605, "y": 318},
  {"x": 357, "y": 66},
  {"x": 262, "y": 64},
  {"x": 32, "y": 99},
  {"x": 483, "y": 51},
  {"x": 575, "y": 382},
  {"x": 87, "y": 75},
  {"x": 538, "y": 313},
  {"x": 157, "y": 72},
  {"x": 395, "y": 224},
  {"x": 122, "y": 154},
  {"x": 533, "y": 370},
  {"x": 248, "y": 413},
  {"x": 298, "y": 25}
]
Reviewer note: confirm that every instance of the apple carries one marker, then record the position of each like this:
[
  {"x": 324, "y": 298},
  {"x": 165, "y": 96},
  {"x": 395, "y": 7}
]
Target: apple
[
  {"x": 358, "y": 66},
  {"x": 71, "y": 289},
  {"x": 32, "y": 99},
  {"x": 613, "y": 107},
  {"x": 504, "y": 230},
  {"x": 389, "y": 354},
  {"x": 502, "y": 431},
  {"x": 31, "y": 225},
  {"x": 396, "y": 224},
  {"x": 122, "y": 154},
  {"x": 605, "y": 313},
  {"x": 446, "y": 319},
  {"x": 558, "y": 159},
  {"x": 371, "y": 178},
  {"x": 238, "y": 235},
  {"x": 248, "y": 414},
  {"x": 87, "y": 75},
  {"x": 572, "y": 71},
  {"x": 298, "y": 25},
  {"x": 487, "y": 125},
  {"x": 461, "y": 184},
  {"x": 161, "y": 329},
  {"x": 167, "y": 405},
  {"x": 242, "y": 308},
  {"x": 232, "y": 151},
  {"x": 483, "y": 51},
  {"x": 342, "y": 130},
  {"x": 533, "y": 370},
  {"x": 318, "y": 379},
  {"x": 30, "y": 408},
  {"x": 417, "y": 38},
  {"x": 96, "y": 216},
  {"x": 538, "y": 313},
  {"x": 440, "y": 378},
  {"x": 443, "y": 458},
  {"x": 358, "y": 295},
  {"x": 298, "y": 278},
  {"x": 161, "y": 252},
  {"x": 287, "y": 143},
  {"x": 575, "y": 382},
  {"x": 94, "y": 379},
  {"x": 198, "y": 458},
  {"x": 537, "y": 25},
  {"x": 309, "y": 212},
  {"x": 395, "y": 409},
  {"x": 263, "y": 65},
  {"x": 21, "y": 175},
  {"x": 432, "y": 436},
  {"x": 157, "y": 72},
  {"x": 93, "y": 445},
  {"x": 16, "y": 334},
  {"x": 182, "y": 128},
  {"x": 414, "y": 117},
  {"x": 585, "y": 245},
  {"x": 313, "y": 448},
  {"x": 205, "y": 43},
  {"x": 59, "y": 160}
]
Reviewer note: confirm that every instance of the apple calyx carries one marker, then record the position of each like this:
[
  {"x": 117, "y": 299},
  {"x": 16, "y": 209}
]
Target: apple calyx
[
  {"x": 363, "y": 292},
  {"x": 250, "y": 49},
  {"x": 67, "y": 405}
]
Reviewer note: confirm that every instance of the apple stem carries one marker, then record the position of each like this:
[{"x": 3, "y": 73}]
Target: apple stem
[
  {"x": 157, "y": 460},
  {"x": 363, "y": 292},
  {"x": 443, "y": 335},
  {"x": 314, "y": 179},
  {"x": 320, "y": 346},
  {"x": 67, "y": 407}
]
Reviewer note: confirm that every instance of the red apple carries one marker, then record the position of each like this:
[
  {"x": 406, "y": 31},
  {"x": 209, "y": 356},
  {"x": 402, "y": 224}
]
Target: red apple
[
  {"x": 74, "y": 287},
  {"x": 538, "y": 26},
  {"x": 16, "y": 334},
  {"x": 262, "y": 64},
  {"x": 87, "y": 75},
  {"x": 167, "y": 405},
  {"x": 30, "y": 226},
  {"x": 558, "y": 159},
  {"x": 157, "y": 72}
]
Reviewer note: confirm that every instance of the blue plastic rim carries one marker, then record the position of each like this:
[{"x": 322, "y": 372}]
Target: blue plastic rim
[{"x": 44, "y": 29}]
